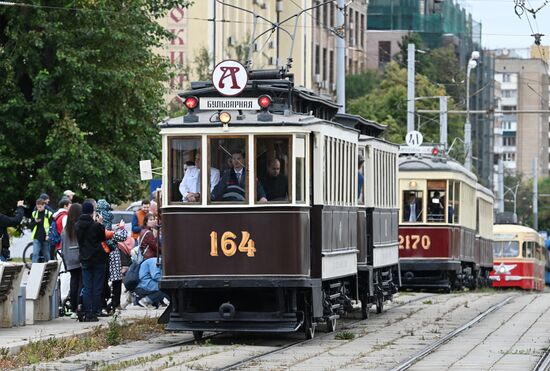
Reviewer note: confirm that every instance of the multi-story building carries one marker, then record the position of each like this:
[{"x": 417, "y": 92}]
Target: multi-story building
[
  {"x": 225, "y": 32},
  {"x": 525, "y": 121},
  {"x": 438, "y": 22}
]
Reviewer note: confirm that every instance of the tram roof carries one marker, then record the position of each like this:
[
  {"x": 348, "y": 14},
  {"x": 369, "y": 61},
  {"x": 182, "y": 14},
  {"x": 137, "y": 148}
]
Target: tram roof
[
  {"x": 432, "y": 163},
  {"x": 512, "y": 228}
]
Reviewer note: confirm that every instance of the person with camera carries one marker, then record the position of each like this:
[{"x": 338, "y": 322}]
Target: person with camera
[
  {"x": 8, "y": 221},
  {"x": 90, "y": 233}
]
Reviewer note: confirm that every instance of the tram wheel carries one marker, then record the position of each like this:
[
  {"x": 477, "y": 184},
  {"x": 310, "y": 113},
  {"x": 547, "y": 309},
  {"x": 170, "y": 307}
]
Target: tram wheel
[
  {"x": 197, "y": 335},
  {"x": 309, "y": 326},
  {"x": 331, "y": 325},
  {"x": 379, "y": 304}
]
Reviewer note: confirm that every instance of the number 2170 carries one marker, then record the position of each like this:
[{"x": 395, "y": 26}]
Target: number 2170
[{"x": 229, "y": 245}]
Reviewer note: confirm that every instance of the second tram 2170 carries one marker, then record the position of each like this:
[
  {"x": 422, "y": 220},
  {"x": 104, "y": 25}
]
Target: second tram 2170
[
  {"x": 446, "y": 219},
  {"x": 286, "y": 214}
]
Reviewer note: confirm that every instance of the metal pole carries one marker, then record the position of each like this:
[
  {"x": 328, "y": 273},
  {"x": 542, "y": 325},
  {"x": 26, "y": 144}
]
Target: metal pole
[
  {"x": 500, "y": 187},
  {"x": 278, "y": 9},
  {"x": 443, "y": 121},
  {"x": 535, "y": 194},
  {"x": 340, "y": 59},
  {"x": 467, "y": 125},
  {"x": 410, "y": 87},
  {"x": 212, "y": 33}
]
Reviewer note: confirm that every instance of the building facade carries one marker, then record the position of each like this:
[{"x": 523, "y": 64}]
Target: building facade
[
  {"x": 524, "y": 125},
  {"x": 225, "y": 32}
]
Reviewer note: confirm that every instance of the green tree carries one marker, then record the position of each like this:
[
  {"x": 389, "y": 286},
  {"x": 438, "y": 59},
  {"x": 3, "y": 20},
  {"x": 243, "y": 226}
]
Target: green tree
[
  {"x": 387, "y": 104},
  {"x": 82, "y": 91},
  {"x": 361, "y": 84}
]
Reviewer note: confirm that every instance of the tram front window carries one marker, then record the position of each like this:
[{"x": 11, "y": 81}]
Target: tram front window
[
  {"x": 273, "y": 168},
  {"x": 184, "y": 169},
  {"x": 506, "y": 249},
  {"x": 412, "y": 207},
  {"x": 436, "y": 201}
]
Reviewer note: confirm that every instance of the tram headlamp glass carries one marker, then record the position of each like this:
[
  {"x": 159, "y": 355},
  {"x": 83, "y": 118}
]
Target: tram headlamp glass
[
  {"x": 224, "y": 117},
  {"x": 412, "y": 184},
  {"x": 191, "y": 103}
]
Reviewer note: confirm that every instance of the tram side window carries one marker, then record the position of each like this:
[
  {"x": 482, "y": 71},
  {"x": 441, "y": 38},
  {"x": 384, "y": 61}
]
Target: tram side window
[
  {"x": 228, "y": 155},
  {"x": 527, "y": 248},
  {"x": 184, "y": 169},
  {"x": 361, "y": 177},
  {"x": 453, "y": 202},
  {"x": 412, "y": 206},
  {"x": 506, "y": 249},
  {"x": 273, "y": 167},
  {"x": 436, "y": 201},
  {"x": 300, "y": 151}
]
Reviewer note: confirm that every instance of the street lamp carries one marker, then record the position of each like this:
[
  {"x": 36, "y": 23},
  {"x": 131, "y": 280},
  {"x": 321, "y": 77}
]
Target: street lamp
[
  {"x": 514, "y": 192},
  {"x": 468, "y": 126}
]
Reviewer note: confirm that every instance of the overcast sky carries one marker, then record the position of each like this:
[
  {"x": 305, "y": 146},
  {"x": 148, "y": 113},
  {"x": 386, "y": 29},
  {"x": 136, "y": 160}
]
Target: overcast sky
[{"x": 501, "y": 26}]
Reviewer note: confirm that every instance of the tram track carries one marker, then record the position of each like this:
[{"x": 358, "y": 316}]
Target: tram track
[
  {"x": 348, "y": 326},
  {"x": 543, "y": 363},
  {"x": 435, "y": 345}
]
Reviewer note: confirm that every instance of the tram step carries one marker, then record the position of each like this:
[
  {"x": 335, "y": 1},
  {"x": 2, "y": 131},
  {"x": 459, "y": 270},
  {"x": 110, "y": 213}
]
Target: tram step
[
  {"x": 335, "y": 296},
  {"x": 335, "y": 285},
  {"x": 335, "y": 306}
]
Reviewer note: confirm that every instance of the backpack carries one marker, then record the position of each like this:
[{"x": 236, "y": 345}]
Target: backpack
[
  {"x": 53, "y": 234},
  {"x": 131, "y": 279}
]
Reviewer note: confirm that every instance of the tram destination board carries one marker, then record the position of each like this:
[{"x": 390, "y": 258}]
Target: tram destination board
[{"x": 229, "y": 103}]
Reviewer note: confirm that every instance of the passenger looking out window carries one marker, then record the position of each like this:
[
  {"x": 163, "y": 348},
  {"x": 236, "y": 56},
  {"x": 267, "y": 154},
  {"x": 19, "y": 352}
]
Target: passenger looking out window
[
  {"x": 274, "y": 183},
  {"x": 360, "y": 180},
  {"x": 412, "y": 208},
  {"x": 190, "y": 186}
]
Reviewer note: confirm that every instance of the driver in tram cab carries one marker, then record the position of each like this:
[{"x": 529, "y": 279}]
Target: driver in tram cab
[
  {"x": 190, "y": 185},
  {"x": 413, "y": 210},
  {"x": 275, "y": 184},
  {"x": 232, "y": 186}
]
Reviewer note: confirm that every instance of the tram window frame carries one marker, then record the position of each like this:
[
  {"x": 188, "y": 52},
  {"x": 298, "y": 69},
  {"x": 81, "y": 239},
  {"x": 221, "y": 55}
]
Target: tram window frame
[
  {"x": 420, "y": 201},
  {"x": 527, "y": 249},
  {"x": 248, "y": 173},
  {"x": 175, "y": 163},
  {"x": 288, "y": 165},
  {"x": 300, "y": 172},
  {"x": 505, "y": 246},
  {"x": 432, "y": 187},
  {"x": 453, "y": 201}
]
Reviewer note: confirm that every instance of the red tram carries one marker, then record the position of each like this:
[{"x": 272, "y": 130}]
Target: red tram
[
  {"x": 519, "y": 257},
  {"x": 445, "y": 231}
]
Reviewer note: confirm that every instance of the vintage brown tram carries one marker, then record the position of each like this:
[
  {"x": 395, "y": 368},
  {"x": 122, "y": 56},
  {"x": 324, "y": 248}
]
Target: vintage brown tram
[
  {"x": 266, "y": 228},
  {"x": 446, "y": 218}
]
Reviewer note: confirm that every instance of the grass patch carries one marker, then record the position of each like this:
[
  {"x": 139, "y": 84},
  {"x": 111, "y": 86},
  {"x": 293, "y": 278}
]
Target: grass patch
[
  {"x": 345, "y": 335},
  {"x": 117, "y": 332},
  {"x": 427, "y": 302}
]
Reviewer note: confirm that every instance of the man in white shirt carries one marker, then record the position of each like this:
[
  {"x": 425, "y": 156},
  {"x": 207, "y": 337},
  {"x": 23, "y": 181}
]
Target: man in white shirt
[{"x": 190, "y": 185}]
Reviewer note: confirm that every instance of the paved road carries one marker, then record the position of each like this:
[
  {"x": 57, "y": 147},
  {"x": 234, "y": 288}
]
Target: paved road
[{"x": 510, "y": 338}]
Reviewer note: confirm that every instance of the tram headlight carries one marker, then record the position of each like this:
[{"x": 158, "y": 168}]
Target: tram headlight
[
  {"x": 264, "y": 101},
  {"x": 412, "y": 184},
  {"x": 224, "y": 117}
]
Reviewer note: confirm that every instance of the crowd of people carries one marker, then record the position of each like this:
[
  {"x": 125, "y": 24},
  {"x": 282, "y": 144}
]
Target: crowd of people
[{"x": 96, "y": 250}]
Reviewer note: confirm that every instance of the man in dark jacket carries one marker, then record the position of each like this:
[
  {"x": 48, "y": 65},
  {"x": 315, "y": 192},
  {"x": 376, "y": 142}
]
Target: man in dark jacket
[
  {"x": 93, "y": 259},
  {"x": 5, "y": 222}
]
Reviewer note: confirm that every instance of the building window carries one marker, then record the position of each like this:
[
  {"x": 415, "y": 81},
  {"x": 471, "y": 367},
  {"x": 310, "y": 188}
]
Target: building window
[
  {"x": 509, "y": 156},
  {"x": 331, "y": 68},
  {"x": 384, "y": 53},
  {"x": 509, "y": 108},
  {"x": 317, "y": 13},
  {"x": 317, "y": 60},
  {"x": 325, "y": 75},
  {"x": 363, "y": 31},
  {"x": 506, "y": 77},
  {"x": 509, "y": 141},
  {"x": 509, "y": 93},
  {"x": 325, "y": 14}
]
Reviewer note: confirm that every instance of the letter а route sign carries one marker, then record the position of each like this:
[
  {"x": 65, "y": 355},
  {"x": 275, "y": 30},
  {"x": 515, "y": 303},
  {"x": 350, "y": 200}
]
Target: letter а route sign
[
  {"x": 229, "y": 78},
  {"x": 414, "y": 138}
]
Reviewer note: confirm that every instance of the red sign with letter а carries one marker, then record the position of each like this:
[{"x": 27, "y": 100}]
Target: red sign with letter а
[{"x": 229, "y": 78}]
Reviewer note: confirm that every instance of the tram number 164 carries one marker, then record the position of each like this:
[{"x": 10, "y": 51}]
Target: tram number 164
[
  {"x": 412, "y": 242},
  {"x": 229, "y": 245}
]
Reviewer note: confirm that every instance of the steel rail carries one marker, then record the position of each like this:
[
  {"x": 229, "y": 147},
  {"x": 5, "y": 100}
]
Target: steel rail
[
  {"x": 544, "y": 362},
  {"x": 430, "y": 348},
  {"x": 300, "y": 342}
]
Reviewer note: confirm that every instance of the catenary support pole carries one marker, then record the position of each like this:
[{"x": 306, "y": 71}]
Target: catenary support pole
[
  {"x": 410, "y": 87},
  {"x": 443, "y": 121},
  {"x": 341, "y": 58},
  {"x": 500, "y": 185},
  {"x": 535, "y": 194}
]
